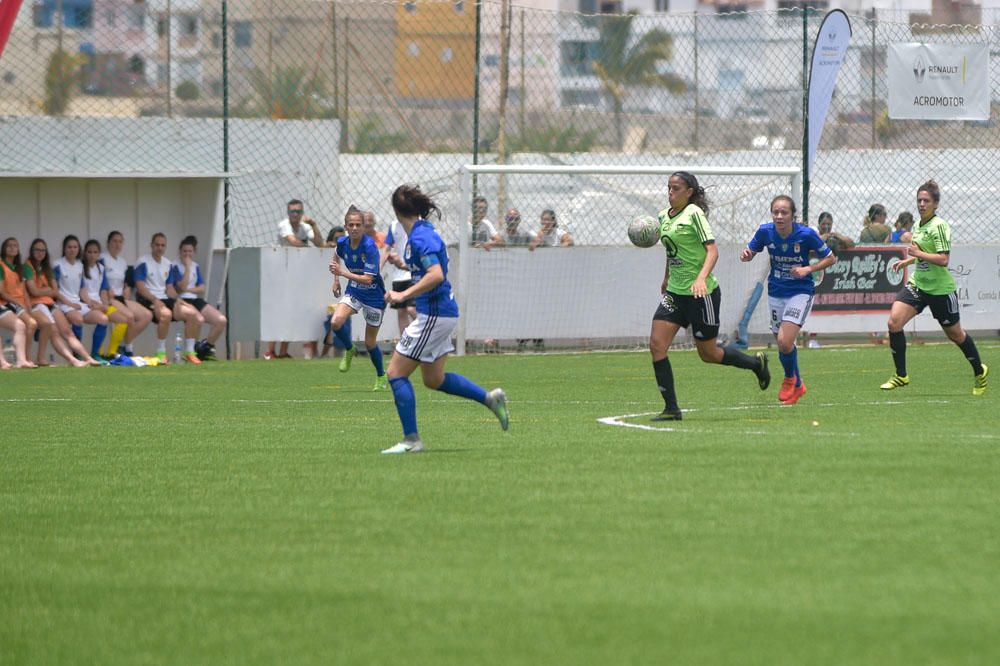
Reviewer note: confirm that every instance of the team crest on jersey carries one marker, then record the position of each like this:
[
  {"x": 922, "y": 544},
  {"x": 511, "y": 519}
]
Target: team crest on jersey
[
  {"x": 797, "y": 248},
  {"x": 784, "y": 247}
]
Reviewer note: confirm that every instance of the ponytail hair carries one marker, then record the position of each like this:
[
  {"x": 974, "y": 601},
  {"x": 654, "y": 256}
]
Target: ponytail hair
[
  {"x": 698, "y": 197},
  {"x": 83, "y": 255},
  {"x": 876, "y": 210},
  {"x": 409, "y": 201}
]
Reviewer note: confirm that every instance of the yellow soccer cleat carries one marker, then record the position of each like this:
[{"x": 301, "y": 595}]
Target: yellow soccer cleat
[
  {"x": 896, "y": 382},
  {"x": 980, "y": 387}
]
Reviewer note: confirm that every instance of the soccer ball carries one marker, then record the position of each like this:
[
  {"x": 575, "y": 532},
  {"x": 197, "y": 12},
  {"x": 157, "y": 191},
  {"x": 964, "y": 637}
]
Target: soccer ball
[{"x": 644, "y": 231}]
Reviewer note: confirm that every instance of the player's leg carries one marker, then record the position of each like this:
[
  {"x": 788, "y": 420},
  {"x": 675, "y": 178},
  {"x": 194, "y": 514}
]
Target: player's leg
[
  {"x": 193, "y": 320},
  {"x": 142, "y": 318},
  {"x": 15, "y": 325},
  {"x": 217, "y": 323},
  {"x": 64, "y": 329},
  {"x": 907, "y": 305},
  {"x": 373, "y": 322},
  {"x": 703, "y": 314},
  {"x": 792, "y": 313},
  {"x": 46, "y": 326},
  {"x": 960, "y": 337},
  {"x": 341, "y": 315},
  {"x": 661, "y": 336},
  {"x": 30, "y": 326},
  {"x": 400, "y": 369}
]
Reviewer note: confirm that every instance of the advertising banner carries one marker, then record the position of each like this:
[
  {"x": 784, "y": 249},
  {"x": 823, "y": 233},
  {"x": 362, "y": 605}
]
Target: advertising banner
[
  {"x": 939, "y": 82},
  {"x": 860, "y": 281},
  {"x": 828, "y": 55}
]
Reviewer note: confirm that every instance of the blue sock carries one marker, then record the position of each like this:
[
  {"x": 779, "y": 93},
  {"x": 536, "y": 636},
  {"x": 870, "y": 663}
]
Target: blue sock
[
  {"x": 795, "y": 365},
  {"x": 77, "y": 331},
  {"x": 406, "y": 404},
  {"x": 462, "y": 387},
  {"x": 344, "y": 335},
  {"x": 375, "y": 354},
  {"x": 100, "y": 331},
  {"x": 788, "y": 362}
]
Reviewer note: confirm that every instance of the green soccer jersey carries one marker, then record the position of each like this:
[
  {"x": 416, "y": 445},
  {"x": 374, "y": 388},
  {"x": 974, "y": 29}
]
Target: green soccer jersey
[
  {"x": 932, "y": 236},
  {"x": 684, "y": 236}
]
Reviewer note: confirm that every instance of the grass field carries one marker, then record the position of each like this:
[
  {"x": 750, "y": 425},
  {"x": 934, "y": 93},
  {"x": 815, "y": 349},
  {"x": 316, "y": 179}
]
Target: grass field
[{"x": 241, "y": 513}]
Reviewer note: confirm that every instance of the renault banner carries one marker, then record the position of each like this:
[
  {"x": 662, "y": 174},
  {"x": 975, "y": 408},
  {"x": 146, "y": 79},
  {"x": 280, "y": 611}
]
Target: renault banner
[
  {"x": 828, "y": 54},
  {"x": 939, "y": 82}
]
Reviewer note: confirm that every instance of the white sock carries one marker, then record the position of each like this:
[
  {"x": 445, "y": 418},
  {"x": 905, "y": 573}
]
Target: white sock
[
  {"x": 161, "y": 346},
  {"x": 189, "y": 345},
  {"x": 129, "y": 349}
]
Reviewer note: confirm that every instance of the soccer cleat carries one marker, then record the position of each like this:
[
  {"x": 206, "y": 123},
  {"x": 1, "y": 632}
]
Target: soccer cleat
[
  {"x": 763, "y": 374},
  {"x": 668, "y": 415},
  {"x": 269, "y": 356},
  {"x": 192, "y": 358},
  {"x": 895, "y": 382},
  {"x": 405, "y": 447},
  {"x": 980, "y": 387},
  {"x": 205, "y": 350},
  {"x": 161, "y": 358},
  {"x": 381, "y": 383},
  {"x": 787, "y": 388},
  {"x": 345, "y": 361},
  {"x": 797, "y": 392},
  {"x": 496, "y": 400}
]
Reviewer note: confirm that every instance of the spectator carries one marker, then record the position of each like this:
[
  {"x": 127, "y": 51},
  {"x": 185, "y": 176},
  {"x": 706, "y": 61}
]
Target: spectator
[
  {"x": 904, "y": 228},
  {"x": 14, "y": 300},
  {"x": 40, "y": 281},
  {"x": 296, "y": 230},
  {"x": 190, "y": 286},
  {"x": 550, "y": 235},
  {"x": 512, "y": 236},
  {"x": 370, "y": 230},
  {"x": 875, "y": 229},
  {"x": 399, "y": 273},
  {"x": 119, "y": 275},
  {"x": 151, "y": 274},
  {"x": 836, "y": 242},
  {"x": 335, "y": 233},
  {"x": 481, "y": 230}
]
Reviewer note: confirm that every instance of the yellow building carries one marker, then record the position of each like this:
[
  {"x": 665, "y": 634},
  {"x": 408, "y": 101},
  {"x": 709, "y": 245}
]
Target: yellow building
[{"x": 435, "y": 49}]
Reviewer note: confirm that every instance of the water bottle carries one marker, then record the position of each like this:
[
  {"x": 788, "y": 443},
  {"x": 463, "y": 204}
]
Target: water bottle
[{"x": 177, "y": 348}]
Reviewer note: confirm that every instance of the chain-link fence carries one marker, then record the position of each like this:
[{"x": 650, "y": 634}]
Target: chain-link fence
[{"x": 338, "y": 102}]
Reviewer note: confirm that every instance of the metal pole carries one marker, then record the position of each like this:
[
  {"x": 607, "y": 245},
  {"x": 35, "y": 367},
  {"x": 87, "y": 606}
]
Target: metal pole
[
  {"x": 805, "y": 115},
  {"x": 505, "y": 11},
  {"x": 524, "y": 90},
  {"x": 170, "y": 56},
  {"x": 59, "y": 25},
  {"x": 345, "y": 138},
  {"x": 697, "y": 91},
  {"x": 336, "y": 73},
  {"x": 226, "y": 221},
  {"x": 475, "y": 99},
  {"x": 874, "y": 20}
]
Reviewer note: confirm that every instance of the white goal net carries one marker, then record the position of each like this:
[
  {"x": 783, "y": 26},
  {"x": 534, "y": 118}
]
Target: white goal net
[{"x": 585, "y": 287}]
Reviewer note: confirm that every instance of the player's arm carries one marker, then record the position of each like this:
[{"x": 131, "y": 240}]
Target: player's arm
[
  {"x": 432, "y": 278},
  {"x": 936, "y": 258},
  {"x": 825, "y": 262},
  {"x": 699, "y": 288},
  {"x": 666, "y": 277}
]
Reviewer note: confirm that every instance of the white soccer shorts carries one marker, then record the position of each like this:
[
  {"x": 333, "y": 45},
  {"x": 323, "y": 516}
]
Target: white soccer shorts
[
  {"x": 372, "y": 316},
  {"x": 427, "y": 338},
  {"x": 793, "y": 309},
  {"x": 44, "y": 310},
  {"x": 84, "y": 309}
]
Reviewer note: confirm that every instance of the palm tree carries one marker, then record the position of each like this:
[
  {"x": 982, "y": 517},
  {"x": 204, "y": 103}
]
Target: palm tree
[{"x": 624, "y": 62}]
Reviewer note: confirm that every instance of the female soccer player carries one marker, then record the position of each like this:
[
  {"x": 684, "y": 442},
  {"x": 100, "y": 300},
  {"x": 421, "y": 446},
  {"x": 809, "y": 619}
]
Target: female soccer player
[
  {"x": 365, "y": 292},
  {"x": 426, "y": 342},
  {"x": 790, "y": 286},
  {"x": 691, "y": 295},
  {"x": 185, "y": 275},
  {"x": 930, "y": 285},
  {"x": 41, "y": 283},
  {"x": 116, "y": 270},
  {"x": 96, "y": 294},
  {"x": 14, "y": 310}
]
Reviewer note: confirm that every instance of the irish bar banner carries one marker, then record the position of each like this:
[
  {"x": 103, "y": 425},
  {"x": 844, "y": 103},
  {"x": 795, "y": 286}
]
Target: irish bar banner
[{"x": 862, "y": 280}]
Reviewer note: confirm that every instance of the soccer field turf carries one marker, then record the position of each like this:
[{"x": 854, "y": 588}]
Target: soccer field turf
[{"x": 241, "y": 513}]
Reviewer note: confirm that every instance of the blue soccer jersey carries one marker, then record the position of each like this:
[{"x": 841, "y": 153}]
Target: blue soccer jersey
[
  {"x": 363, "y": 260},
  {"x": 424, "y": 249},
  {"x": 787, "y": 253}
]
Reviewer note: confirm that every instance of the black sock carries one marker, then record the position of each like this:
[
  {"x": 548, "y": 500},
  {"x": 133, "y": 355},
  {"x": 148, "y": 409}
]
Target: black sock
[
  {"x": 897, "y": 343},
  {"x": 968, "y": 348},
  {"x": 665, "y": 382},
  {"x": 731, "y": 356}
]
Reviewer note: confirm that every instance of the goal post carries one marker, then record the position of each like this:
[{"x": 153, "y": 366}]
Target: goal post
[{"x": 600, "y": 292}]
